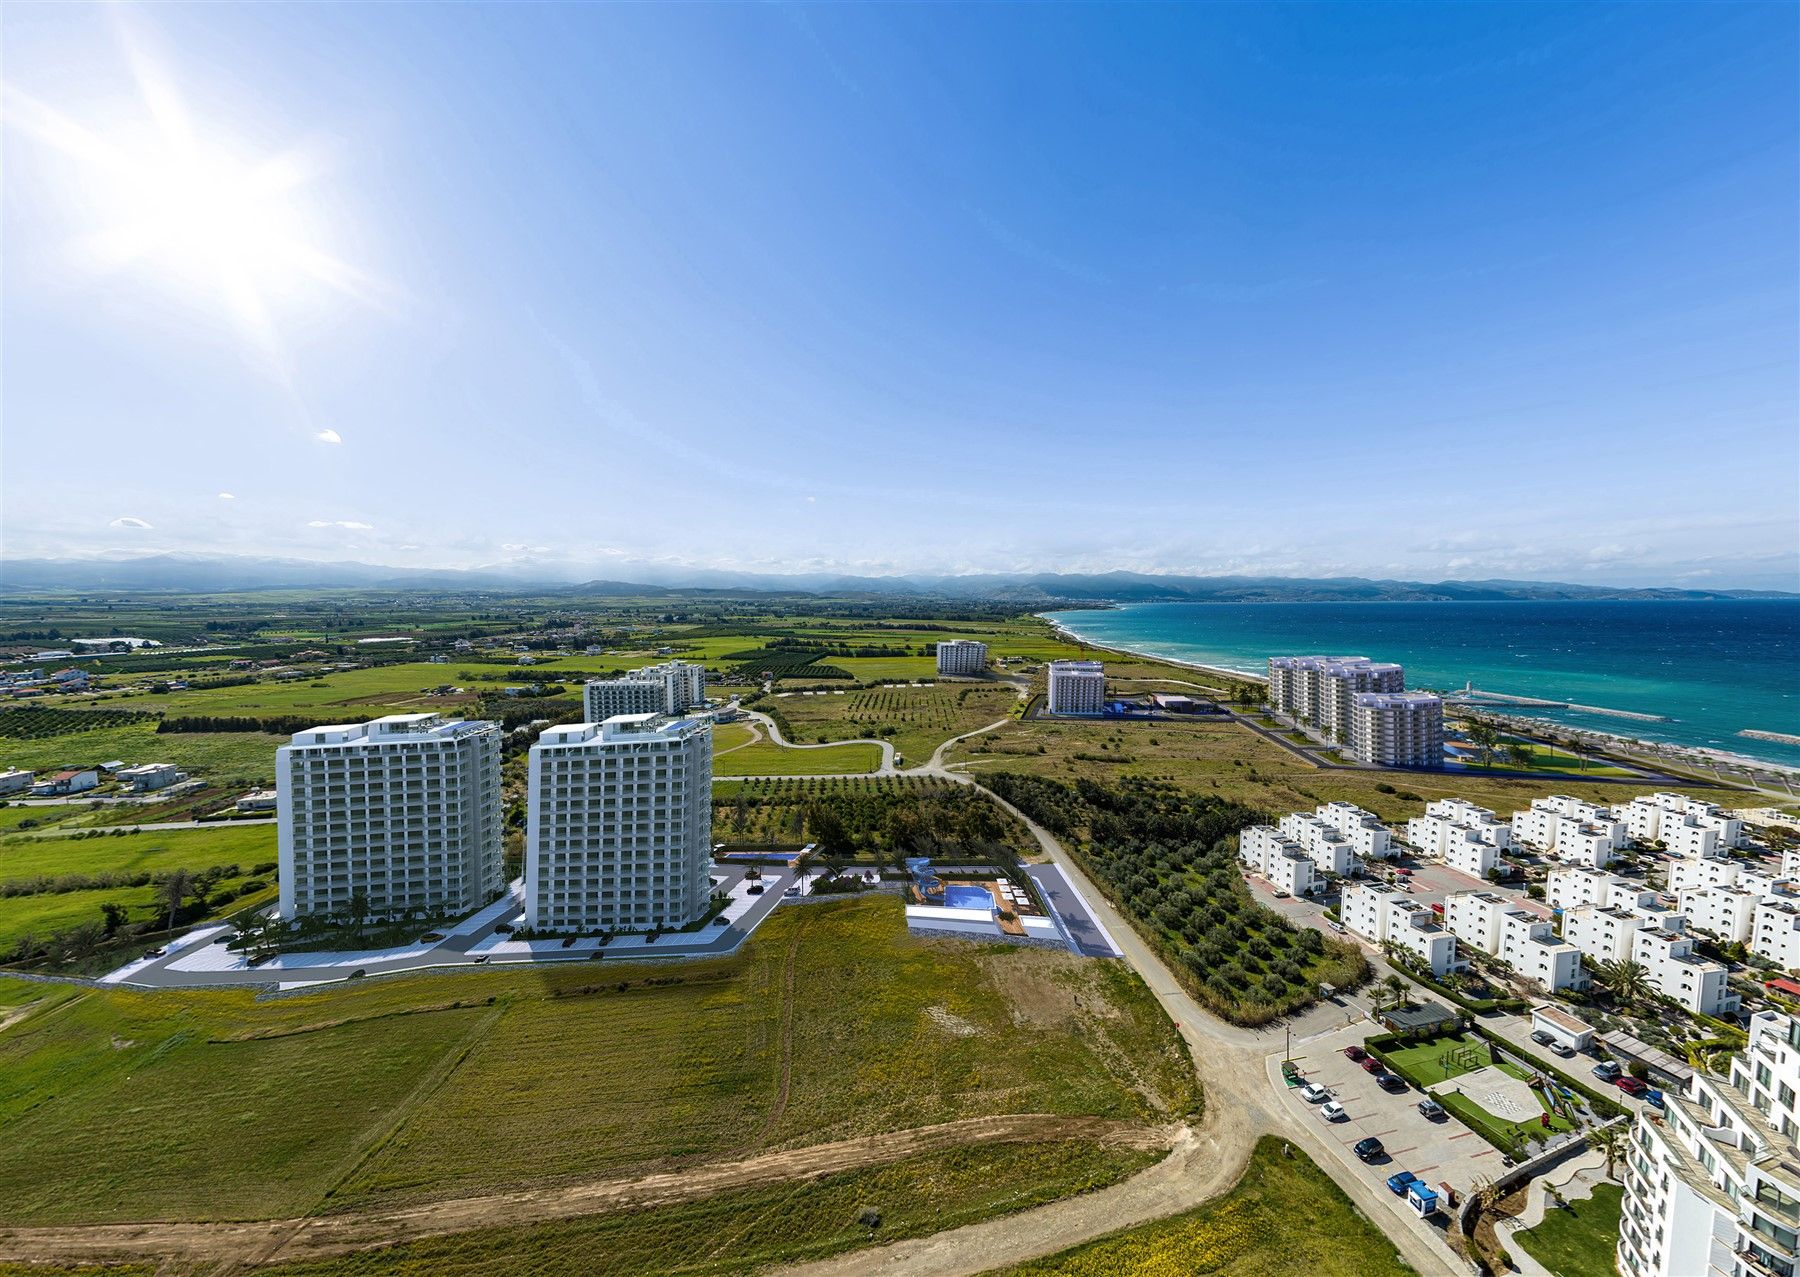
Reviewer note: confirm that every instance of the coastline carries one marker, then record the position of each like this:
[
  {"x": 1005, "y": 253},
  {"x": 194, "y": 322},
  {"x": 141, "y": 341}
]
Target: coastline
[
  {"x": 1691, "y": 755},
  {"x": 1074, "y": 636}
]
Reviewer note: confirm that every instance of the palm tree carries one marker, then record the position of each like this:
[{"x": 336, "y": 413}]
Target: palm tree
[
  {"x": 1609, "y": 1142},
  {"x": 1391, "y": 992},
  {"x": 1629, "y": 981},
  {"x": 173, "y": 891},
  {"x": 359, "y": 909}
]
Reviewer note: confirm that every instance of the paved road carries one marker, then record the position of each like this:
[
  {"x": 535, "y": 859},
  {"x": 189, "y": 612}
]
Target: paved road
[
  {"x": 65, "y": 831},
  {"x": 1067, "y": 903}
]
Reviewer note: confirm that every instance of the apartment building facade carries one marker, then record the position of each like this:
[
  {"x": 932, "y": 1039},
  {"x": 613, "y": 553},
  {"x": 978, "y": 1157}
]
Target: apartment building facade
[
  {"x": 1775, "y": 932},
  {"x": 619, "y": 825},
  {"x": 1712, "y": 1183},
  {"x": 962, "y": 657},
  {"x": 404, "y": 810},
  {"x": 1573, "y": 831},
  {"x": 1321, "y": 690},
  {"x": 1329, "y": 849},
  {"x": 1658, "y": 941},
  {"x": 1397, "y": 729},
  {"x": 602, "y": 699},
  {"x": 1076, "y": 687},
  {"x": 1521, "y": 939},
  {"x": 1266, "y": 851},
  {"x": 1385, "y": 915},
  {"x": 1673, "y": 819}
]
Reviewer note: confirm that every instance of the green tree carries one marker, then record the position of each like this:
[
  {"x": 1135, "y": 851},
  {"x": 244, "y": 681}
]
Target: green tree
[
  {"x": 1609, "y": 1142},
  {"x": 173, "y": 890},
  {"x": 1519, "y": 754},
  {"x": 114, "y": 915},
  {"x": 1628, "y": 981},
  {"x": 359, "y": 909}
]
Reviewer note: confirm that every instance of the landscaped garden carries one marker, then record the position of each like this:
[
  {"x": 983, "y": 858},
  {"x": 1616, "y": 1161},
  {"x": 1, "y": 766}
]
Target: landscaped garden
[{"x": 1578, "y": 1240}]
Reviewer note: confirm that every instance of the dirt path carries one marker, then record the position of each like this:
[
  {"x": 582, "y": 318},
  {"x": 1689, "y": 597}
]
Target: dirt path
[
  {"x": 790, "y": 970},
  {"x": 286, "y": 1239}
]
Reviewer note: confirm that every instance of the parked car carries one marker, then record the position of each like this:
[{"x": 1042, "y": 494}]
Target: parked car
[
  {"x": 1399, "y": 1182},
  {"x": 1332, "y": 1111},
  {"x": 721, "y": 921},
  {"x": 1562, "y": 1048},
  {"x": 431, "y": 937},
  {"x": 1431, "y": 1109},
  {"x": 1368, "y": 1149},
  {"x": 1607, "y": 1071},
  {"x": 1282, "y": 895},
  {"x": 791, "y": 892},
  {"x": 755, "y": 889},
  {"x": 1371, "y": 1065},
  {"x": 1541, "y": 1038},
  {"x": 357, "y": 974},
  {"x": 157, "y": 953},
  {"x": 481, "y": 957},
  {"x": 1632, "y": 1085},
  {"x": 1356, "y": 1053},
  {"x": 506, "y": 928},
  {"x": 1390, "y": 1081},
  {"x": 1313, "y": 1093}
]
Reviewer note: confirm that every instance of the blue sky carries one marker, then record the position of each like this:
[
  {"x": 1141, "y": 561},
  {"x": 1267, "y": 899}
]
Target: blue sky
[{"x": 1422, "y": 291}]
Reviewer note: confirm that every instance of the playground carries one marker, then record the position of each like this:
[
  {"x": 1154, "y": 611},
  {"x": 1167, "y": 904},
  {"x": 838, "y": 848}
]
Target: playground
[{"x": 1504, "y": 1103}]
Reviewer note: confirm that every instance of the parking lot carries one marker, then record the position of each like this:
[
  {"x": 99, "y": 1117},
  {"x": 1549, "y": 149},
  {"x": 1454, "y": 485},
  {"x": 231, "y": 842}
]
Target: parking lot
[{"x": 1441, "y": 1151}]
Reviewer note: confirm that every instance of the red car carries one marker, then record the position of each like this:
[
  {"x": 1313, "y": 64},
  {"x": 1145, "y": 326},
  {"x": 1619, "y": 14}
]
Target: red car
[
  {"x": 1356, "y": 1053},
  {"x": 1631, "y": 1085},
  {"x": 1372, "y": 1065}
]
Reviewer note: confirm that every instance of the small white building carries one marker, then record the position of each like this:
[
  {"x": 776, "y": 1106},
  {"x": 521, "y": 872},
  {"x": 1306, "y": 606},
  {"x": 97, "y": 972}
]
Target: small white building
[
  {"x": 1283, "y": 862},
  {"x": 1571, "y": 1031},
  {"x": 1328, "y": 848},
  {"x": 1775, "y": 932},
  {"x": 77, "y": 781},
  {"x": 961, "y": 657},
  {"x": 1573, "y": 831},
  {"x": 1572, "y": 886},
  {"x": 257, "y": 800},
  {"x": 1521, "y": 939},
  {"x": 149, "y": 776},
  {"x": 1673, "y": 819},
  {"x": 1725, "y": 912},
  {"x": 1363, "y": 830},
  {"x": 14, "y": 781},
  {"x": 1386, "y": 915},
  {"x": 1077, "y": 687},
  {"x": 1479, "y": 820}
]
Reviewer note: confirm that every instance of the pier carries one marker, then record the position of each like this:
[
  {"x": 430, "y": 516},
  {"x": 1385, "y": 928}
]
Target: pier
[
  {"x": 1780, "y": 738},
  {"x": 1475, "y": 696}
]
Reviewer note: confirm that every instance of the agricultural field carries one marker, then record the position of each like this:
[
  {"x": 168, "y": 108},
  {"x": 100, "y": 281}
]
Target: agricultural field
[
  {"x": 54, "y": 882},
  {"x": 1227, "y": 760},
  {"x": 874, "y": 819},
  {"x": 765, "y": 758},
  {"x": 248, "y": 757},
  {"x": 1284, "y": 1217},
  {"x": 831, "y": 1023},
  {"x": 915, "y": 719}
]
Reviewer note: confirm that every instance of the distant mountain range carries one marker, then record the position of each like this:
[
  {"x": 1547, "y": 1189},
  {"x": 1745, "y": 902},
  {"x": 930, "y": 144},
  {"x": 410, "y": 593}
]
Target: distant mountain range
[{"x": 220, "y": 573}]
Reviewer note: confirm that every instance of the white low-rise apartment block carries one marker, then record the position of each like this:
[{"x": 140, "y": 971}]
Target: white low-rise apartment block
[
  {"x": 1725, "y": 912},
  {"x": 1516, "y": 936},
  {"x": 1386, "y": 915},
  {"x": 961, "y": 657},
  {"x": 1658, "y": 941},
  {"x": 1279, "y": 859},
  {"x": 1712, "y": 1181},
  {"x": 1467, "y": 838},
  {"x": 1680, "y": 822},
  {"x": 1363, "y": 830},
  {"x": 149, "y": 776},
  {"x": 1775, "y": 932},
  {"x": 1320, "y": 690},
  {"x": 1790, "y": 863},
  {"x": 1575, "y": 832},
  {"x": 1397, "y": 729},
  {"x": 1077, "y": 687},
  {"x": 1571, "y": 886},
  {"x": 404, "y": 810},
  {"x": 618, "y": 825},
  {"x": 14, "y": 781},
  {"x": 1327, "y": 848},
  {"x": 1719, "y": 872}
]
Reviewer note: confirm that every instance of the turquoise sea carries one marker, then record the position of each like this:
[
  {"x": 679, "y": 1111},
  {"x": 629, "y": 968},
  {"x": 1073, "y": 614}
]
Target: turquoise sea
[{"x": 1712, "y": 667}]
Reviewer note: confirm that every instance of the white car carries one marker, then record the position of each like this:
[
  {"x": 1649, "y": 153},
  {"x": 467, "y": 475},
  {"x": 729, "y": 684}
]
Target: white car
[
  {"x": 1313, "y": 1093},
  {"x": 1332, "y": 1111}
]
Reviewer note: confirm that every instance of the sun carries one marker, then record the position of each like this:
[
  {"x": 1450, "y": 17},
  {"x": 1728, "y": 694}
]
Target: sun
[{"x": 151, "y": 193}]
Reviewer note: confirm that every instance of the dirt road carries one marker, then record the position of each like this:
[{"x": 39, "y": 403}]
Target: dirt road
[{"x": 266, "y": 1241}]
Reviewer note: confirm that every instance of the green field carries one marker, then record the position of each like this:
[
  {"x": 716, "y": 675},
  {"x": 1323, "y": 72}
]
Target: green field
[
  {"x": 249, "y": 756},
  {"x": 121, "y": 1105},
  {"x": 36, "y": 861},
  {"x": 1284, "y": 1217},
  {"x": 765, "y": 758},
  {"x": 1579, "y": 1241},
  {"x": 915, "y": 719}
]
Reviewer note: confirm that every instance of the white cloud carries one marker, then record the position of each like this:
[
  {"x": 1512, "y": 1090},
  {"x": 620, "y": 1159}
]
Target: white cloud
[
  {"x": 812, "y": 501},
  {"x": 128, "y": 521},
  {"x": 349, "y": 524},
  {"x": 227, "y": 496},
  {"x": 329, "y": 436}
]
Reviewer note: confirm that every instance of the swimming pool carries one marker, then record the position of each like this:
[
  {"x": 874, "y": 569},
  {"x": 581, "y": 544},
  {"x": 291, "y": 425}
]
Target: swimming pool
[{"x": 965, "y": 897}]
